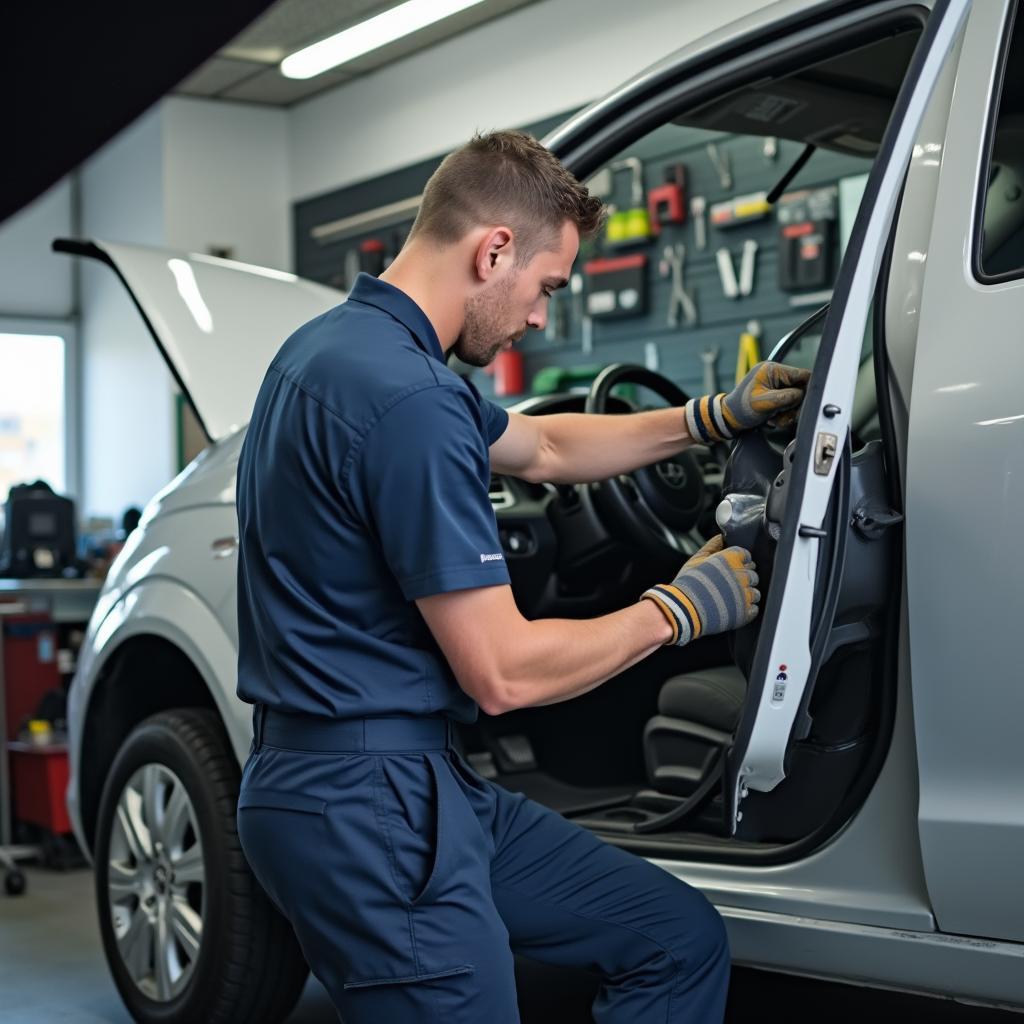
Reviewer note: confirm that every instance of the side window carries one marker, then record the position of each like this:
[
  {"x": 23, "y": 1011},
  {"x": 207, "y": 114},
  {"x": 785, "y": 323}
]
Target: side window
[{"x": 1001, "y": 241}]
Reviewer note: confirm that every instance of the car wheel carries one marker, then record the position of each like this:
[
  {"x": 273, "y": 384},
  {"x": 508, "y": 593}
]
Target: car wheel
[{"x": 188, "y": 932}]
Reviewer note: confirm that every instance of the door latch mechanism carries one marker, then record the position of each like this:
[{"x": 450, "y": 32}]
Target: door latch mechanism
[{"x": 825, "y": 452}]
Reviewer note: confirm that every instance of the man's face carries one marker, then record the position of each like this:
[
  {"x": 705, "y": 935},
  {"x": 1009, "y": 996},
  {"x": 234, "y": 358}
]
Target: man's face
[{"x": 498, "y": 317}]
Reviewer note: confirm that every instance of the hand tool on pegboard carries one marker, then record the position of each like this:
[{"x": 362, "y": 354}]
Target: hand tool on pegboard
[
  {"x": 698, "y": 206},
  {"x": 747, "y": 264},
  {"x": 666, "y": 204},
  {"x": 732, "y": 213},
  {"x": 749, "y": 354},
  {"x": 727, "y": 273},
  {"x": 723, "y": 166},
  {"x": 672, "y": 263},
  {"x": 709, "y": 357},
  {"x": 632, "y": 224}
]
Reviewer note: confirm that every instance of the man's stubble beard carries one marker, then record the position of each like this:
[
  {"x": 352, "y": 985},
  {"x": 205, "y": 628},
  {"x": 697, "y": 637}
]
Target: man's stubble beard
[{"x": 484, "y": 328}]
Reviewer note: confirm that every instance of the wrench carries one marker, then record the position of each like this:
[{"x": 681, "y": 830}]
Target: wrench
[{"x": 710, "y": 359}]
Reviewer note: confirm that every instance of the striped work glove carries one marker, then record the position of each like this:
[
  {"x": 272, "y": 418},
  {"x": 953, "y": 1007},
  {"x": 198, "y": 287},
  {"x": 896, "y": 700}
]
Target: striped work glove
[
  {"x": 771, "y": 391},
  {"x": 713, "y": 592}
]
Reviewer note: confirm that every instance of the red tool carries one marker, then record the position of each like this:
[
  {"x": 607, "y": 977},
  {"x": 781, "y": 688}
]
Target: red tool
[{"x": 666, "y": 204}]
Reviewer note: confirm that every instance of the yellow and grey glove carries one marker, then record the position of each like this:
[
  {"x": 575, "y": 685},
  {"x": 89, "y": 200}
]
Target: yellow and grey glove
[
  {"x": 714, "y": 591},
  {"x": 769, "y": 392}
]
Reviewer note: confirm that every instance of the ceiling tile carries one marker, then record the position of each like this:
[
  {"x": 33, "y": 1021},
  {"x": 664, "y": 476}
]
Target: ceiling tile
[
  {"x": 270, "y": 86},
  {"x": 432, "y": 34},
  {"x": 217, "y": 74},
  {"x": 289, "y": 25}
]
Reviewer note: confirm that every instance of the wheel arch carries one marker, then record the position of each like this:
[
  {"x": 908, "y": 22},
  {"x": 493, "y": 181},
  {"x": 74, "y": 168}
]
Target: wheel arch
[{"x": 160, "y": 647}]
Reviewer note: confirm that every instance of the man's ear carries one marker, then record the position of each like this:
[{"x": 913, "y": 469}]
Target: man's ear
[{"x": 495, "y": 252}]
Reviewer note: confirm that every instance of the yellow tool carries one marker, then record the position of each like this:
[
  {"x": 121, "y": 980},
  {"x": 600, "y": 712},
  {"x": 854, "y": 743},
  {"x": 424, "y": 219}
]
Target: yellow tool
[{"x": 750, "y": 352}]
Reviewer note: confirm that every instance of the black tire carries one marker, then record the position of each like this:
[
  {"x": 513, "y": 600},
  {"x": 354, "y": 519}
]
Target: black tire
[
  {"x": 249, "y": 967},
  {"x": 14, "y": 883}
]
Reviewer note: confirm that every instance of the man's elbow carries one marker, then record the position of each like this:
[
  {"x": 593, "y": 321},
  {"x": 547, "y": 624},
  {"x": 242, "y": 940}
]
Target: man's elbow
[
  {"x": 491, "y": 692},
  {"x": 494, "y": 699}
]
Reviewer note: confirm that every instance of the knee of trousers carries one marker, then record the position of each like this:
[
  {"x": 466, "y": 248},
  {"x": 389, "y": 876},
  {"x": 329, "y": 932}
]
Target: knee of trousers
[{"x": 699, "y": 937}]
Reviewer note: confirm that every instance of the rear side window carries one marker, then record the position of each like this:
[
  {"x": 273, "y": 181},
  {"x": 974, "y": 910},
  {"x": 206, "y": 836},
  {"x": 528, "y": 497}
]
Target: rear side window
[{"x": 1000, "y": 252}]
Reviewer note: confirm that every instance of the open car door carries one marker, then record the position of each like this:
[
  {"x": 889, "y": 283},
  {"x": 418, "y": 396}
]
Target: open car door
[{"x": 823, "y": 496}]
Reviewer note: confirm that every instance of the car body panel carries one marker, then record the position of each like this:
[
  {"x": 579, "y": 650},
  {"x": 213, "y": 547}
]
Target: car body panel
[
  {"x": 965, "y": 493},
  {"x": 218, "y": 323},
  {"x": 858, "y": 908}
]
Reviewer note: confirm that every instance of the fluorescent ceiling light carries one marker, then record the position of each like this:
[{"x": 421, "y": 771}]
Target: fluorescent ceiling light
[{"x": 370, "y": 35}]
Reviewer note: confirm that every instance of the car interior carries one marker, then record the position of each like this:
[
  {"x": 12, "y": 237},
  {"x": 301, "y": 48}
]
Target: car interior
[{"x": 639, "y": 758}]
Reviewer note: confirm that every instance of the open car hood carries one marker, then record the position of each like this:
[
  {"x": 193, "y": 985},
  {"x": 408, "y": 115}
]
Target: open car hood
[{"x": 217, "y": 323}]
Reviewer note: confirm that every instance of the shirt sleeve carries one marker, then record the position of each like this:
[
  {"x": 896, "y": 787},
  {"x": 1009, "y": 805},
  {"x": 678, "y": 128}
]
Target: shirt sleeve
[
  {"x": 423, "y": 476},
  {"x": 495, "y": 418}
]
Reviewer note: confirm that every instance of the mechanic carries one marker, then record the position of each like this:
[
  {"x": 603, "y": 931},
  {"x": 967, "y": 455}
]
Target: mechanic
[{"x": 374, "y": 611}]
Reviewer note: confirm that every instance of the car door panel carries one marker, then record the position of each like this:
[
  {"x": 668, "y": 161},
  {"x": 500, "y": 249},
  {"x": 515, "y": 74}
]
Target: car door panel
[{"x": 785, "y": 661}]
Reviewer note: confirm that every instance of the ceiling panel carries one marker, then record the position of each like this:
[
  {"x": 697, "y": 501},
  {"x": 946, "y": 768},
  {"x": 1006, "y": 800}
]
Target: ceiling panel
[
  {"x": 217, "y": 74},
  {"x": 270, "y": 86},
  {"x": 289, "y": 25},
  {"x": 435, "y": 33}
]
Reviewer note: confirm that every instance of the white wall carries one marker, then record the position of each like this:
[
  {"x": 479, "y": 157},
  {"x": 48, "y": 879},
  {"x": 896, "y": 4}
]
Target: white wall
[
  {"x": 189, "y": 174},
  {"x": 128, "y": 437},
  {"x": 528, "y": 65},
  {"x": 226, "y": 179},
  {"x": 34, "y": 281}
]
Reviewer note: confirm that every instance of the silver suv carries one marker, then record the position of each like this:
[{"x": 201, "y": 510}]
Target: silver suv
[{"x": 841, "y": 778}]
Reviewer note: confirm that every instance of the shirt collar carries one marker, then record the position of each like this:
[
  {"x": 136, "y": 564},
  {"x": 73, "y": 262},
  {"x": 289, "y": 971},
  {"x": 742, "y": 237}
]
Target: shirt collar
[{"x": 393, "y": 301}]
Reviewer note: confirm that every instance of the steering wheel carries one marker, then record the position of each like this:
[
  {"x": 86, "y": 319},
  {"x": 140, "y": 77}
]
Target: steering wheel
[{"x": 657, "y": 507}]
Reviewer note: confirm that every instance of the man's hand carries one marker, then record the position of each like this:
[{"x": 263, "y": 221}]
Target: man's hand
[
  {"x": 715, "y": 591},
  {"x": 771, "y": 392}
]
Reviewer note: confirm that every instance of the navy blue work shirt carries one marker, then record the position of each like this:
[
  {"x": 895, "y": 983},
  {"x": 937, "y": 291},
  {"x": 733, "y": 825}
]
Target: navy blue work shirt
[{"x": 362, "y": 485}]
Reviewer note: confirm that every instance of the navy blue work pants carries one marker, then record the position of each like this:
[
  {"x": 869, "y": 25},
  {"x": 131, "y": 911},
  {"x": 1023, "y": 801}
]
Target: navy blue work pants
[{"x": 410, "y": 881}]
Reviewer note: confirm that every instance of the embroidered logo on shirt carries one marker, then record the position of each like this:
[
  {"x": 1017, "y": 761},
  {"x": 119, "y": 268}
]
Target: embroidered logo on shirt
[{"x": 492, "y": 558}]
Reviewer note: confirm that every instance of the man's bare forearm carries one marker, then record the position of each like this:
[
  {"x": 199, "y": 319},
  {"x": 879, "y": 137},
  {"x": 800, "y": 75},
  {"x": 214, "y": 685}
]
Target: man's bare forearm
[
  {"x": 579, "y": 448},
  {"x": 558, "y": 659}
]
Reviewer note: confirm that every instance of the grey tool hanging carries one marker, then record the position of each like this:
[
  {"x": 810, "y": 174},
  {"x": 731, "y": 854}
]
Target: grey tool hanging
[
  {"x": 698, "y": 206},
  {"x": 709, "y": 357},
  {"x": 723, "y": 166},
  {"x": 672, "y": 263}
]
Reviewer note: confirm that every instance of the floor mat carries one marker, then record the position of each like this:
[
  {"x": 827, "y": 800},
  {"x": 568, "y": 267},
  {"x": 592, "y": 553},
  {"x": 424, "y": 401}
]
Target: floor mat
[{"x": 561, "y": 796}]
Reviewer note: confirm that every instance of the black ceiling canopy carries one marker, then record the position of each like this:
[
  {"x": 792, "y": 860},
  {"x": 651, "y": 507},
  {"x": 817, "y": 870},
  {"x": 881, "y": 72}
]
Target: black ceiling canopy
[{"x": 74, "y": 75}]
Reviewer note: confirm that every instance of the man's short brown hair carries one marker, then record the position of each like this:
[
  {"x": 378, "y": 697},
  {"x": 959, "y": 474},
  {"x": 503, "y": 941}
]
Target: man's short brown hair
[{"x": 506, "y": 177}]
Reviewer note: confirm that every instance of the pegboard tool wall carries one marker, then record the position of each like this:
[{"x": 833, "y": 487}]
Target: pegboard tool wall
[{"x": 720, "y": 319}]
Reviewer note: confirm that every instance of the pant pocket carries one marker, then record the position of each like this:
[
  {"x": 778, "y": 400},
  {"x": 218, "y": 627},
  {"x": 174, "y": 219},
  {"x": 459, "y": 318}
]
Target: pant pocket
[
  {"x": 410, "y": 979},
  {"x": 409, "y": 817}
]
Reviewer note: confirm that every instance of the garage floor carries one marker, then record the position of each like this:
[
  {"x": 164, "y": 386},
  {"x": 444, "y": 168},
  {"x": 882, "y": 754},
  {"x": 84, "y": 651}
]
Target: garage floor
[{"x": 52, "y": 970}]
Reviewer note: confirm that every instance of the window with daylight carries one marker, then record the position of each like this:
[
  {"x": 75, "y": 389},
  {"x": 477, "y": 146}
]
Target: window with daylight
[{"x": 32, "y": 411}]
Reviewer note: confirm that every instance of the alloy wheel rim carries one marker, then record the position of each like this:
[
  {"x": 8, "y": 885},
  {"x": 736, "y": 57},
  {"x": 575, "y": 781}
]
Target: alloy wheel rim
[{"x": 156, "y": 882}]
